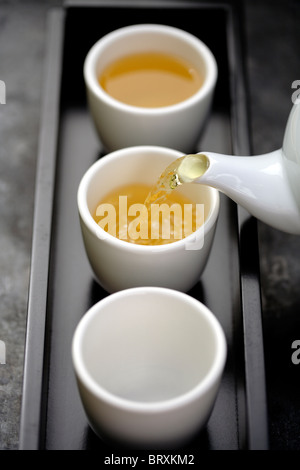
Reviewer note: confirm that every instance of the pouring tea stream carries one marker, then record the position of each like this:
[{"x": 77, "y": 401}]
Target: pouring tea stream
[{"x": 267, "y": 186}]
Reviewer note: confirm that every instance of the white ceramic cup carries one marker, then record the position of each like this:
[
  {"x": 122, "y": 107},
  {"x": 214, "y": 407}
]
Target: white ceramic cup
[
  {"x": 121, "y": 125},
  {"x": 117, "y": 264},
  {"x": 148, "y": 363}
]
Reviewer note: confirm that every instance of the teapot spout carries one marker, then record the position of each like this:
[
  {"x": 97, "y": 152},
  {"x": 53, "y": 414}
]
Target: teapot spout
[{"x": 258, "y": 183}]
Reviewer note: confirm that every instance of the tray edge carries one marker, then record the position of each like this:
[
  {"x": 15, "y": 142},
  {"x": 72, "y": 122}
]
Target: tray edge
[
  {"x": 32, "y": 393},
  {"x": 256, "y": 397}
]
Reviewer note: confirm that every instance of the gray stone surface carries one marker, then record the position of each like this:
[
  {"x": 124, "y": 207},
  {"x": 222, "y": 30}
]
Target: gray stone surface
[
  {"x": 21, "y": 57},
  {"x": 273, "y": 63}
]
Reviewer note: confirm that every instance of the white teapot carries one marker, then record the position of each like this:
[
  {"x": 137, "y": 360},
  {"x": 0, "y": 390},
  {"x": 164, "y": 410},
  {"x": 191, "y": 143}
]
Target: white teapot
[{"x": 267, "y": 186}]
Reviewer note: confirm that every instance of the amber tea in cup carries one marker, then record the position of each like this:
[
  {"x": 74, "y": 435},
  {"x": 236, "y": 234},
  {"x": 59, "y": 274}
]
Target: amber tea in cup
[
  {"x": 124, "y": 214},
  {"x": 149, "y": 84},
  {"x": 118, "y": 265},
  {"x": 151, "y": 79}
]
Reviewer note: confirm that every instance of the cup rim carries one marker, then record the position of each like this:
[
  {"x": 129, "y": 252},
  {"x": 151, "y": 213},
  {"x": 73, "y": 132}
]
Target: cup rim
[
  {"x": 92, "y": 55},
  {"x": 211, "y": 377},
  {"x": 95, "y": 229}
]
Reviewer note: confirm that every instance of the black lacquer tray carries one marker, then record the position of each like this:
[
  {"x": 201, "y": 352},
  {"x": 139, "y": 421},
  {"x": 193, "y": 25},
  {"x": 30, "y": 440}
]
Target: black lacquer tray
[{"x": 61, "y": 285}]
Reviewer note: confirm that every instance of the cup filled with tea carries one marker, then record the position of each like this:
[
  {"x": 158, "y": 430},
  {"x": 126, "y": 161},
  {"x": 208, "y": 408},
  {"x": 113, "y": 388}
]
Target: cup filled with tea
[
  {"x": 138, "y": 228},
  {"x": 150, "y": 84},
  {"x": 149, "y": 363}
]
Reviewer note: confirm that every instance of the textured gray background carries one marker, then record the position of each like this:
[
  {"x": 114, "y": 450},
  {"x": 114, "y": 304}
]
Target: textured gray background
[{"x": 272, "y": 31}]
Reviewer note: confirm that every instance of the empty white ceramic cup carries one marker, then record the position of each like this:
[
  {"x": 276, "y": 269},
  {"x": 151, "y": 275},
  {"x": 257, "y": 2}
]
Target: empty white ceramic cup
[
  {"x": 117, "y": 264},
  {"x": 148, "y": 363},
  {"x": 121, "y": 125}
]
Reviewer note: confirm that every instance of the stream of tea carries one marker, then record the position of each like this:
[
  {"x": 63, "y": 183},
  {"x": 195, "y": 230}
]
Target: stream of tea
[{"x": 184, "y": 169}]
